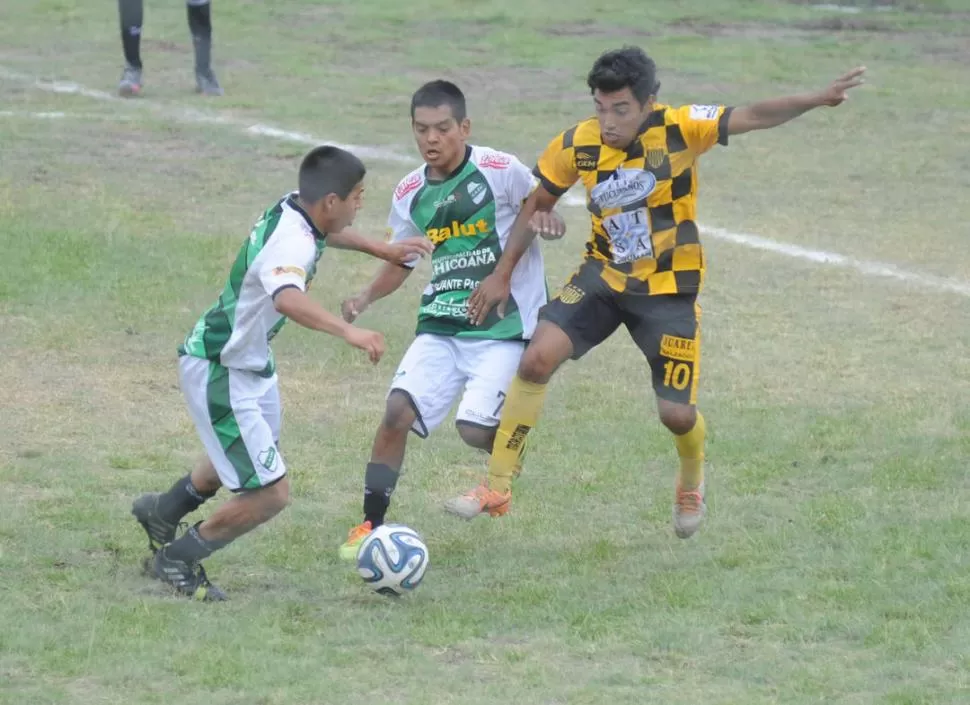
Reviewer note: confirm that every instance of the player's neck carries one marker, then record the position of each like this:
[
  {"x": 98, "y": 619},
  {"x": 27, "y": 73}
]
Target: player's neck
[
  {"x": 449, "y": 170},
  {"x": 306, "y": 212}
]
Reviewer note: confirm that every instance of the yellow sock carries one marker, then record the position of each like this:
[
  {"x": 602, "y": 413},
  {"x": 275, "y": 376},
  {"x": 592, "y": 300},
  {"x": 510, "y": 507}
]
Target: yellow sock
[
  {"x": 523, "y": 404},
  {"x": 690, "y": 448}
]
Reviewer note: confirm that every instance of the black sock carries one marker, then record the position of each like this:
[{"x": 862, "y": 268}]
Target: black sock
[
  {"x": 200, "y": 25},
  {"x": 131, "y": 12},
  {"x": 379, "y": 483},
  {"x": 192, "y": 548},
  {"x": 181, "y": 499}
]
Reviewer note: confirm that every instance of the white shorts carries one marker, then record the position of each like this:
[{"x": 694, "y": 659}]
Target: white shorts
[
  {"x": 436, "y": 368},
  {"x": 237, "y": 415}
]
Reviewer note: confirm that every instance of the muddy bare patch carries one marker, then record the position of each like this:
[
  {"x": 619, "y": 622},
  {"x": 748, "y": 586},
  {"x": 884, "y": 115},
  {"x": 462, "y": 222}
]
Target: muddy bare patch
[
  {"x": 842, "y": 23},
  {"x": 484, "y": 82},
  {"x": 520, "y": 83},
  {"x": 946, "y": 49},
  {"x": 743, "y": 30},
  {"x": 857, "y": 5},
  {"x": 594, "y": 31},
  {"x": 798, "y": 31},
  {"x": 694, "y": 83},
  {"x": 473, "y": 64},
  {"x": 318, "y": 12}
]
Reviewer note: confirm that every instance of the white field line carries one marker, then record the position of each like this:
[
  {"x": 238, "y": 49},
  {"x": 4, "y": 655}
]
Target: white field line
[
  {"x": 61, "y": 115},
  {"x": 757, "y": 242},
  {"x": 197, "y": 117},
  {"x": 50, "y": 115}
]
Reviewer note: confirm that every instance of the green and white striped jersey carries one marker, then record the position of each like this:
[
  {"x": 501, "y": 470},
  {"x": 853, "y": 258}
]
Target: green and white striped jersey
[
  {"x": 468, "y": 217},
  {"x": 282, "y": 251}
]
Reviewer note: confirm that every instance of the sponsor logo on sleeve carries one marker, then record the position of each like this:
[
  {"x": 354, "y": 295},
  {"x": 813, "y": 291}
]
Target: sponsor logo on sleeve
[
  {"x": 289, "y": 269},
  {"x": 494, "y": 160},
  {"x": 585, "y": 161},
  {"x": 411, "y": 183},
  {"x": 704, "y": 112}
]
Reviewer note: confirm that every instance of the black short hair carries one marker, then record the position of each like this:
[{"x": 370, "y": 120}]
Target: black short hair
[
  {"x": 327, "y": 170},
  {"x": 434, "y": 94},
  {"x": 628, "y": 67}
]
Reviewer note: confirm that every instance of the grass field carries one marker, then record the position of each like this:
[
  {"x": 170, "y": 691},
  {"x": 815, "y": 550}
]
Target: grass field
[{"x": 834, "y": 564}]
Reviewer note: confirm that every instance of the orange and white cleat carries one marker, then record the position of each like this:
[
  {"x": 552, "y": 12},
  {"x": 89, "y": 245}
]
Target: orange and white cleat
[
  {"x": 479, "y": 501},
  {"x": 689, "y": 511}
]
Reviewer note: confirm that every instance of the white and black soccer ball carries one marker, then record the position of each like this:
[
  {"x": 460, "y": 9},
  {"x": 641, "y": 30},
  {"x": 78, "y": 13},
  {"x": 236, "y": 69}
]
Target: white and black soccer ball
[{"x": 392, "y": 559}]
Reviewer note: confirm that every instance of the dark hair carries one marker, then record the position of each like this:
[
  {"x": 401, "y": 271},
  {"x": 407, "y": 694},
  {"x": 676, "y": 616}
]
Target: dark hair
[
  {"x": 327, "y": 170},
  {"x": 437, "y": 93},
  {"x": 623, "y": 68}
]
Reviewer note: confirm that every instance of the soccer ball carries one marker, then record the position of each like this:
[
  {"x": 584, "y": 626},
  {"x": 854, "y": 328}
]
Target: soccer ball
[{"x": 392, "y": 560}]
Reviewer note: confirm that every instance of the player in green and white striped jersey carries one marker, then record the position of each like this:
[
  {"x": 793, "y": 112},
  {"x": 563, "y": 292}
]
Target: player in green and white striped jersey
[
  {"x": 228, "y": 374},
  {"x": 463, "y": 200}
]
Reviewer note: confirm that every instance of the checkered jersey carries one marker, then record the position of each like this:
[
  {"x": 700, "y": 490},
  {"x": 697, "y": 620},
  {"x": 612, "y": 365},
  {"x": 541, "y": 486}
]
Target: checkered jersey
[{"x": 642, "y": 200}]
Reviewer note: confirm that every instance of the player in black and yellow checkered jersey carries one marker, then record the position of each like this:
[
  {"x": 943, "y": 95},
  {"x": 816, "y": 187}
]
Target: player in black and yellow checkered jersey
[{"x": 644, "y": 264}]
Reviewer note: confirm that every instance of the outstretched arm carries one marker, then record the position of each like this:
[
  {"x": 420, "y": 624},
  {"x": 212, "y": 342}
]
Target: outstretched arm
[
  {"x": 777, "y": 111},
  {"x": 297, "y": 306},
  {"x": 389, "y": 279},
  {"x": 398, "y": 252}
]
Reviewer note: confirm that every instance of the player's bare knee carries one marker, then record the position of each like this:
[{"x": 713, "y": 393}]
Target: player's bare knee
[
  {"x": 399, "y": 412},
  {"x": 678, "y": 418},
  {"x": 548, "y": 350},
  {"x": 537, "y": 365},
  {"x": 476, "y": 436},
  {"x": 275, "y": 498}
]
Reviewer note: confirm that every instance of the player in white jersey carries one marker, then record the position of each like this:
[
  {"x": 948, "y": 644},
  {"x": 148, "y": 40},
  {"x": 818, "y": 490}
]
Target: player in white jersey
[
  {"x": 464, "y": 200},
  {"x": 228, "y": 374}
]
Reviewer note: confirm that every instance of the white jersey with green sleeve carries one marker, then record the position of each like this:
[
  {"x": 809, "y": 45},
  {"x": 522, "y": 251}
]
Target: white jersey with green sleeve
[
  {"x": 282, "y": 252},
  {"x": 468, "y": 216}
]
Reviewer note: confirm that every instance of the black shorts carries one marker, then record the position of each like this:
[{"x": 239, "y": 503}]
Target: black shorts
[{"x": 665, "y": 327}]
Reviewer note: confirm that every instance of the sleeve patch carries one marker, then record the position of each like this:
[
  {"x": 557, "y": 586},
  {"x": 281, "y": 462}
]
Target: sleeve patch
[
  {"x": 494, "y": 160},
  {"x": 409, "y": 184},
  {"x": 704, "y": 112},
  {"x": 289, "y": 269}
]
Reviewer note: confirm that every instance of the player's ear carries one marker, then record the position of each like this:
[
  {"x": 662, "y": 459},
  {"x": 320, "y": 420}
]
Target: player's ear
[
  {"x": 465, "y": 126},
  {"x": 329, "y": 201}
]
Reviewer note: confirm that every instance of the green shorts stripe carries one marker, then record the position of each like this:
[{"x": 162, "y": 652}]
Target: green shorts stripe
[{"x": 227, "y": 430}]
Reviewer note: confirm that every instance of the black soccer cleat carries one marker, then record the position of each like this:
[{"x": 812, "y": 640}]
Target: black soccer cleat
[
  {"x": 130, "y": 83},
  {"x": 187, "y": 579},
  {"x": 160, "y": 532},
  {"x": 206, "y": 82}
]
